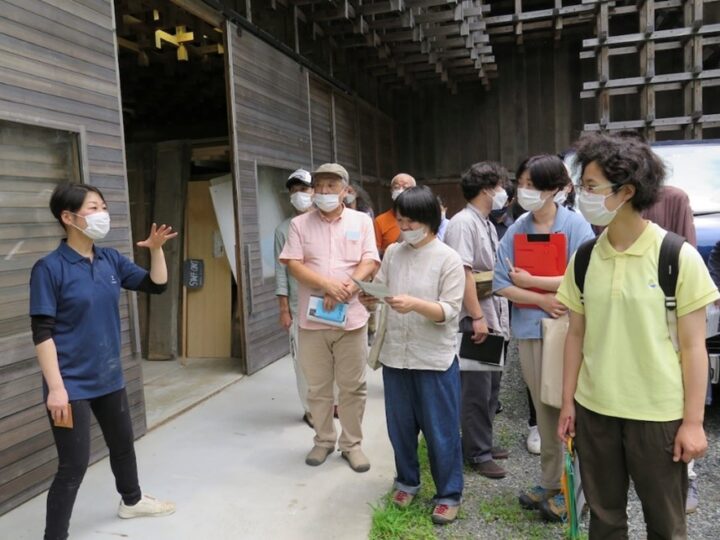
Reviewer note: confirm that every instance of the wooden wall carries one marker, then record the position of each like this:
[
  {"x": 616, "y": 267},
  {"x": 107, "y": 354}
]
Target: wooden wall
[
  {"x": 58, "y": 67},
  {"x": 284, "y": 117},
  {"x": 533, "y": 107}
]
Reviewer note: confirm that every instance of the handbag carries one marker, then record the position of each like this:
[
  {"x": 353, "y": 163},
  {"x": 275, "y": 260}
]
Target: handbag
[
  {"x": 554, "y": 332},
  {"x": 483, "y": 284},
  {"x": 374, "y": 354}
]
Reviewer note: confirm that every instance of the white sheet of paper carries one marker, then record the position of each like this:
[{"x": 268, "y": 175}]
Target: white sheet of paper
[{"x": 378, "y": 290}]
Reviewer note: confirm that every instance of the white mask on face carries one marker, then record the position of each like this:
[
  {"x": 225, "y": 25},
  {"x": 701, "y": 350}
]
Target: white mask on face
[
  {"x": 301, "y": 200},
  {"x": 395, "y": 193},
  {"x": 592, "y": 206},
  {"x": 327, "y": 202},
  {"x": 98, "y": 225},
  {"x": 560, "y": 197},
  {"x": 530, "y": 199},
  {"x": 350, "y": 198},
  {"x": 414, "y": 237},
  {"x": 499, "y": 200}
]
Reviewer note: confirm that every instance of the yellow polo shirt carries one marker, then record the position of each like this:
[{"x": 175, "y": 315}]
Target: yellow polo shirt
[{"x": 630, "y": 368}]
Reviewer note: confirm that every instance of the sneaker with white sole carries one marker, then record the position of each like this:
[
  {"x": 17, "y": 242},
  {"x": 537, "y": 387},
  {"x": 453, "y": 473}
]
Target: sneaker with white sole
[
  {"x": 533, "y": 440},
  {"x": 148, "y": 506},
  {"x": 692, "y": 501}
]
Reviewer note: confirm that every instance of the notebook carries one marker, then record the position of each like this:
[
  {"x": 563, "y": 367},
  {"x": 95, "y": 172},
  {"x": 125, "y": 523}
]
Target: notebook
[
  {"x": 317, "y": 313},
  {"x": 491, "y": 351}
]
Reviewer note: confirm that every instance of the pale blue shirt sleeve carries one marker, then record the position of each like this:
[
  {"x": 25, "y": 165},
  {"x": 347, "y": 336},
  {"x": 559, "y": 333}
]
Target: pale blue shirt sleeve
[
  {"x": 281, "y": 271},
  {"x": 501, "y": 276}
]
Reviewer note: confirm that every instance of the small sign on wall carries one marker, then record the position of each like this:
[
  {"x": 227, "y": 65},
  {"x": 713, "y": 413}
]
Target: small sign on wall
[{"x": 193, "y": 273}]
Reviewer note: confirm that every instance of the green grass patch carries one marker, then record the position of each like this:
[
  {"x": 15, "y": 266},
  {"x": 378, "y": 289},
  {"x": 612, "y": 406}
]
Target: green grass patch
[{"x": 412, "y": 523}]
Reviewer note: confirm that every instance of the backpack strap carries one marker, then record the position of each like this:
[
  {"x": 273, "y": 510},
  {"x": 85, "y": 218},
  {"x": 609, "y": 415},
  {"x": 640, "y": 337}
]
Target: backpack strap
[
  {"x": 668, "y": 272},
  {"x": 582, "y": 261}
]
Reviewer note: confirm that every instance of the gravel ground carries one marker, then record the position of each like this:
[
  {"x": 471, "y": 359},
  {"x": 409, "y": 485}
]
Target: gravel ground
[{"x": 490, "y": 510}]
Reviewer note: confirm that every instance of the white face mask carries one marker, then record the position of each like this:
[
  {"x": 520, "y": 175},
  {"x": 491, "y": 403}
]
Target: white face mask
[
  {"x": 560, "y": 197},
  {"x": 499, "y": 200},
  {"x": 327, "y": 202},
  {"x": 350, "y": 198},
  {"x": 530, "y": 199},
  {"x": 98, "y": 225},
  {"x": 301, "y": 200},
  {"x": 592, "y": 206},
  {"x": 414, "y": 237},
  {"x": 395, "y": 193}
]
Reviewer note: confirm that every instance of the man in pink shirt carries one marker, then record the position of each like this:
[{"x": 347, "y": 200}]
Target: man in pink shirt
[{"x": 324, "y": 249}]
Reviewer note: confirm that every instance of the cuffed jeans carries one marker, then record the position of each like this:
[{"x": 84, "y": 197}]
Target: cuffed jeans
[{"x": 428, "y": 401}]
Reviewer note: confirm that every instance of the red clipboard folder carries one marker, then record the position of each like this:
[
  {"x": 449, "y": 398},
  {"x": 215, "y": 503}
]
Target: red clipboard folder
[{"x": 541, "y": 255}]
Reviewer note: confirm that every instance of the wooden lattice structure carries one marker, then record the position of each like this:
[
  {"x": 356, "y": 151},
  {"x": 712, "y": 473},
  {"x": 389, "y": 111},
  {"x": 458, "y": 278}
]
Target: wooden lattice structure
[{"x": 675, "y": 49}]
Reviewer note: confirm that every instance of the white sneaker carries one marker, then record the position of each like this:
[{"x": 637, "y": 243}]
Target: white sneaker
[
  {"x": 147, "y": 507},
  {"x": 533, "y": 440}
]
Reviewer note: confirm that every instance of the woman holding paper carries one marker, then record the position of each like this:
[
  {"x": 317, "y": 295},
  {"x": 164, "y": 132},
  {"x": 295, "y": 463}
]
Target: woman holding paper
[
  {"x": 539, "y": 180},
  {"x": 420, "y": 370}
]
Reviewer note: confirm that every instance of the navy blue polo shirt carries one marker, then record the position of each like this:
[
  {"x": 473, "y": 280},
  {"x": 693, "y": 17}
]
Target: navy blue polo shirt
[{"x": 83, "y": 297}]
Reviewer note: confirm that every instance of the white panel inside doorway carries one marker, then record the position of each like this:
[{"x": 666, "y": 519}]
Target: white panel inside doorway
[{"x": 222, "y": 199}]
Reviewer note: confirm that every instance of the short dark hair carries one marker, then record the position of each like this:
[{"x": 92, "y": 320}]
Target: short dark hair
[
  {"x": 364, "y": 203},
  {"x": 481, "y": 176},
  {"x": 624, "y": 161},
  {"x": 419, "y": 204},
  {"x": 546, "y": 171},
  {"x": 70, "y": 197}
]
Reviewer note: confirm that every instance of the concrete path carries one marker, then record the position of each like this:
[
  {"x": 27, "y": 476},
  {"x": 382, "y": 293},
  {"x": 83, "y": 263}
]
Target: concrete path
[{"x": 235, "y": 467}]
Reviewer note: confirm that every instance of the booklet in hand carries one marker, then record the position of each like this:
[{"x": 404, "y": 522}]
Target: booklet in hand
[
  {"x": 491, "y": 351},
  {"x": 317, "y": 313}
]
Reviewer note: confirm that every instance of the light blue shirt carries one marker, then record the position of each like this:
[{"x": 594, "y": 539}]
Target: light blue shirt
[{"x": 525, "y": 322}]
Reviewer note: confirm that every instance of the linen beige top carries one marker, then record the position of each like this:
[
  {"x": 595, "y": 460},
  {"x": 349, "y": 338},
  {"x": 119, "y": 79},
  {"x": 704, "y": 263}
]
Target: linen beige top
[{"x": 433, "y": 272}]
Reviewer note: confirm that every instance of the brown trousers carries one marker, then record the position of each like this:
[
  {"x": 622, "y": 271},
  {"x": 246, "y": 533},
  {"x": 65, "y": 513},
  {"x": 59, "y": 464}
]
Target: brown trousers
[
  {"x": 613, "y": 450},
  {"x": 335, "y": 356}
]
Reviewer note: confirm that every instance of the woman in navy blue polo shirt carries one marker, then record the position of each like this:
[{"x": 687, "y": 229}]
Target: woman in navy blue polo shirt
[{"x": 75, "y": 318}]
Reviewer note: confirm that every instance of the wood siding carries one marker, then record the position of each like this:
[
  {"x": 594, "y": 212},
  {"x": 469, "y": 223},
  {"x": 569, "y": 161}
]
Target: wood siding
[
  {"x": 283, "y": 117},
  {"x": 533, "y": 107},
  {"x": 58, "y": 68}
]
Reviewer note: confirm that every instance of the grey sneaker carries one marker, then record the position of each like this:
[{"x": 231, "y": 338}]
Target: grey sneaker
[
  {"x": 692, "y": 501},
  {"x": 148, "y": 506}
]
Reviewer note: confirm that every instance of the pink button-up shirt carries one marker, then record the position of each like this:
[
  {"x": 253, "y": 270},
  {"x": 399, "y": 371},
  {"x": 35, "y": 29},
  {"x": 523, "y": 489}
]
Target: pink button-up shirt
[{"x": 332, "y": 249}]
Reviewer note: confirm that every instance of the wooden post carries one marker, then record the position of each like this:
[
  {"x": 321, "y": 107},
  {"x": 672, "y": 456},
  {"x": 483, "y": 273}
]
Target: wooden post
[
  {"x": 172, "y": 173},
  {"x": 603, "y": 66},
  {"x": 647, "y": 67}
]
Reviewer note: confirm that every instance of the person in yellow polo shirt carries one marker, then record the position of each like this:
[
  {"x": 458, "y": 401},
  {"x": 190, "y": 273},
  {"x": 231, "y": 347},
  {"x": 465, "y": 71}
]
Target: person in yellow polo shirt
[{"x": 634, "y": 405}]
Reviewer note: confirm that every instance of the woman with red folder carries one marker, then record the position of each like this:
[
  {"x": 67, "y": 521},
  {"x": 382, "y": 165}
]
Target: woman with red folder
[{"x": 539, "y": 180}]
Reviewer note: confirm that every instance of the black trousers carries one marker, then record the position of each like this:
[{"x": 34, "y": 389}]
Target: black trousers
[
  {"x": 613, "y": 450},
  {"x": 480, "y": 391},
  {"x": 73, "y": 446}
]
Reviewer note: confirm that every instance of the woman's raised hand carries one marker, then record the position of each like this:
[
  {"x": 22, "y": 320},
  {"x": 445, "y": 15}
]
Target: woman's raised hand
[{"x": 158, "y": 236}]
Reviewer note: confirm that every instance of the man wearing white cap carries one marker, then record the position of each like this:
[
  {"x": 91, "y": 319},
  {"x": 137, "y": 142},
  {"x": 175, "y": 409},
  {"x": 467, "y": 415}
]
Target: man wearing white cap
[
  {"x": 299, "y": 184},
  {"x": 324, "y": 250}
]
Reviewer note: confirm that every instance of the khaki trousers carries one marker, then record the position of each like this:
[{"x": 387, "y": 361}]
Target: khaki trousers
[
  {"x": 551, "y": 453},
  {"x": 335, "y": 356}
]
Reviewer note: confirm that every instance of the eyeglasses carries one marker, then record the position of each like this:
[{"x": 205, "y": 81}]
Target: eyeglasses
[{"x": 592, "y": 189}]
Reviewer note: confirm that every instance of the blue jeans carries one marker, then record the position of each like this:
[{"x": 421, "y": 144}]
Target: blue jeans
[{"x": 428, "y": 401}]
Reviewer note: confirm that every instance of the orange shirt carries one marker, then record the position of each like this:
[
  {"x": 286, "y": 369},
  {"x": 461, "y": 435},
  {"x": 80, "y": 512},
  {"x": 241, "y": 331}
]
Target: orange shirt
[{"x": 386, "y": 230}]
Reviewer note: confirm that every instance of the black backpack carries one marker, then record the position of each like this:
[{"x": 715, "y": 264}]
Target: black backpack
[{"x": 668, "y": 271}]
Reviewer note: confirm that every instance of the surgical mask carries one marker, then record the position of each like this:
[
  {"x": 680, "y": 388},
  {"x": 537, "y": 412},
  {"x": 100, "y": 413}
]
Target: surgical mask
[
  {"x": 395, "y": 193},
  {"x": 443, "y": 215},
  {"x": 301, "y": 200},
  {"x": 350, "y": 198},
  {"x": 499, "y": 200},
  {"x": 592, "y": 206},
  {"x": 414, "y": 237},
  {"x": 560, "y": 197},
  {"x": 98, "y": 225},
  {"x": 327, "y": 202},
  {"x": 530, "y": 199}
]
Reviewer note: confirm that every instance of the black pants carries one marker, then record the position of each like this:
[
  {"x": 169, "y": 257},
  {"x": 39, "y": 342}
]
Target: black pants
[
  {"x": 73, "y": 445},
  {"x": 480, "y": 391}
]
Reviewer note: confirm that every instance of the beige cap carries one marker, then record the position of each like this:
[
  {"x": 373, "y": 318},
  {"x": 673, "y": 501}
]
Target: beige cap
[{"x": 333, "y": 168}]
